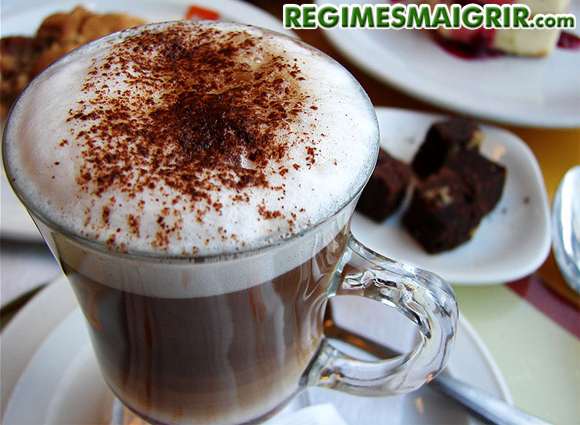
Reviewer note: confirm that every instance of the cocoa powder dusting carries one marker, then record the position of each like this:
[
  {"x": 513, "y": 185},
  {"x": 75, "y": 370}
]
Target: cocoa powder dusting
[
  {"x": 105, "y": 215},
  {"x": 267, "y": 214},
  {"x": 133, "y": 223},
  {"x": 202, "y": 111}
]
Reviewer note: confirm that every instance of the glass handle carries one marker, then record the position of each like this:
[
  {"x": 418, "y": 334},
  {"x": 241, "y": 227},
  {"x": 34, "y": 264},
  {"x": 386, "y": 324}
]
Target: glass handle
[{"x": 421, "y": 296}]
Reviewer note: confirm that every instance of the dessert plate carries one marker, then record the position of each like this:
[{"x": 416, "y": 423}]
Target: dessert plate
[
  {"x": 23, "y": 18},
  {"x": 511, "y": 242},
  {"x": 534, "y": 92},
  {"x": 62, "y": 381}
]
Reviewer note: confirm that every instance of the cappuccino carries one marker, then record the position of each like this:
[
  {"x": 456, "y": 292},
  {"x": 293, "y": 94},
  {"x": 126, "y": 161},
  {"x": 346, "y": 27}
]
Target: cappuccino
[
  {"x": 195, "y": 183},
  {"x": 183, "y": 139}
]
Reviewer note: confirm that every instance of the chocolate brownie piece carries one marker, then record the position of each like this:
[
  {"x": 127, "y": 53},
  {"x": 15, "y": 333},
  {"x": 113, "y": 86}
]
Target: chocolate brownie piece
[
  {"x": 486, "y": 178},
  {"x": 385, "y": 189},
  {"x": 444, "y": 140},
  {"x": 443, "y": 212}
]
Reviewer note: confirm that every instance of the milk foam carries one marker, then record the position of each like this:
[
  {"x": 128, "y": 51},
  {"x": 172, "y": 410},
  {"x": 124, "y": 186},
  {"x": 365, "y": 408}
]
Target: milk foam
[
  {"x": 46, "y": 172},
  {"x": 180, "y": 278}
]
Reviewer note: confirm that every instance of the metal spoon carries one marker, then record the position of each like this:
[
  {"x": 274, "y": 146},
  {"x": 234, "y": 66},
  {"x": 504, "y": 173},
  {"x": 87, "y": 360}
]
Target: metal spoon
[
  {"x": 566, "y": 226},
  {"x": 481, "y": 404}
]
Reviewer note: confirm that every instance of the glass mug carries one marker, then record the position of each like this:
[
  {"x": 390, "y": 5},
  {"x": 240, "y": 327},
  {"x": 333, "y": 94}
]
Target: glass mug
[{"x": 178, "y": 341}]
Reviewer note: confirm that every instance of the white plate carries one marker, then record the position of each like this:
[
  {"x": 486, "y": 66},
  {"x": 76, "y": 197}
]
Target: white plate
[
  {"x": 23, "y": 18},
  {"x": 63, "y": 384},
  {"x": 542, "y": 92},
  {"x": 511, "y": 242},
  {"x": 26, "y": 331}
]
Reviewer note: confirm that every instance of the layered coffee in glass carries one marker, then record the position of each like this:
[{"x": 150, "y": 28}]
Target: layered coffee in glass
[{"x": 196, "y": 183}]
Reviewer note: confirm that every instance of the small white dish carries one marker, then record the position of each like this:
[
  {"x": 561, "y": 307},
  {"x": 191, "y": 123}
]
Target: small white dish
[
  {"x": 23, "y": 18},
  {"x": 534, "y": 92},
  {"x": 63, "y": 383},
  {"x": 511, "y": 242}
]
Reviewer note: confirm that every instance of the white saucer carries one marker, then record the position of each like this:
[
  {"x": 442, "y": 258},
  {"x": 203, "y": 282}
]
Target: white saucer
[
  {"x": 543, "y": 92},
  {"x": 23, "y": 18},
  {"x": 61, "y": 383},
  {"x": 511, "y": 242}
]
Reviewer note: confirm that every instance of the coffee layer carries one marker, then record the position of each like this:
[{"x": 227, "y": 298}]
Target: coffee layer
[
  {"x": 222, "y": 359},
  {"x": 190, "y": 139}
]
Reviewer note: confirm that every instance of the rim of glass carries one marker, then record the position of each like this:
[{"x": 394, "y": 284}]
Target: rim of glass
[{"x": 152, "y": 256}]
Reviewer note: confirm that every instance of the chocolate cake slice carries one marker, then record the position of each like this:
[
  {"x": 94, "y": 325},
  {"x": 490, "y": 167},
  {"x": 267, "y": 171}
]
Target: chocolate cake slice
[
  {"x": 486, "y": 178},
  {"x": 444, "y": 140},
  {"x": 444, "y": 212},
  {"x": 385, "y": 189}
]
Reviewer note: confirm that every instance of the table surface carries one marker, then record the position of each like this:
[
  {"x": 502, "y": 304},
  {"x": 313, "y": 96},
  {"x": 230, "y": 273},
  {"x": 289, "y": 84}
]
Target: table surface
[{"x": 532, "y": 326}]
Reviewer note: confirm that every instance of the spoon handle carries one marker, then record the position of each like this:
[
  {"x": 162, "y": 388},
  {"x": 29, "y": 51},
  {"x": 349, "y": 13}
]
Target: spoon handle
[{"x": 483, "y": 405}]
